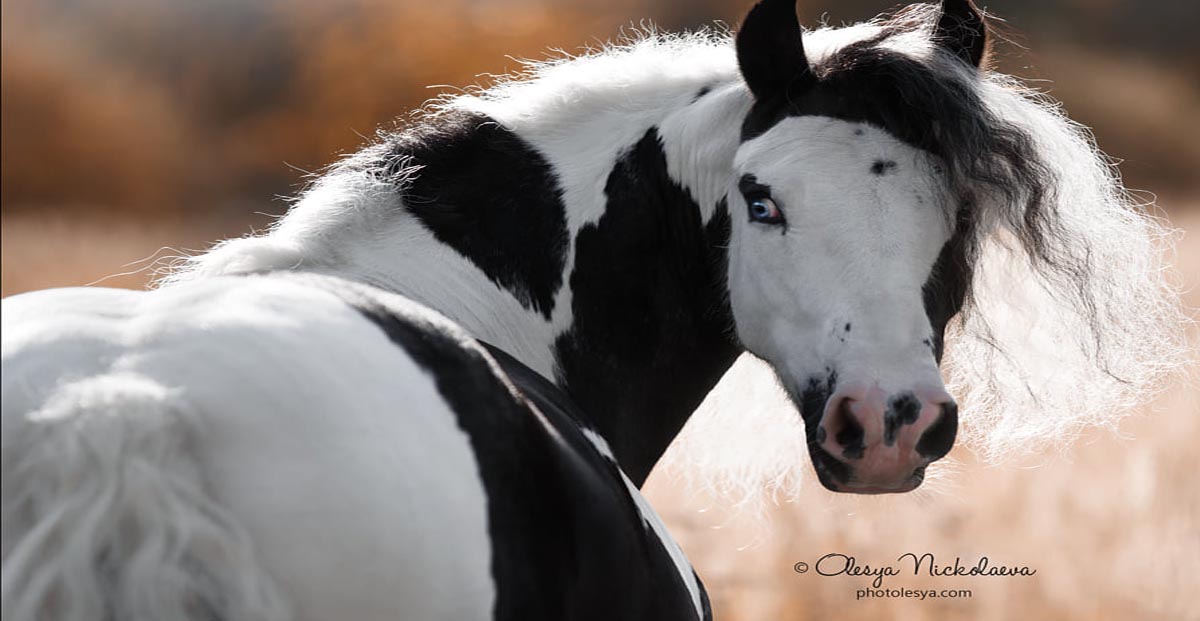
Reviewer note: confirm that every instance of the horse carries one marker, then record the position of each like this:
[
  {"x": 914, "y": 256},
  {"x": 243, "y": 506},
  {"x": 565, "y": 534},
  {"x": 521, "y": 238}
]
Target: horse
[{"x": 435, "y": 386}]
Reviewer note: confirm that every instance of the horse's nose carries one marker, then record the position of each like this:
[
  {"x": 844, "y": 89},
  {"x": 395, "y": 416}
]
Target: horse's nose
[{"x": 884, "y": 441}]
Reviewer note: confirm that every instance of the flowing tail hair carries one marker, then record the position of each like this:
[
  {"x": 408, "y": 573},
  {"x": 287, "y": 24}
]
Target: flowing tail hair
[{"x": 105, "y": 515}]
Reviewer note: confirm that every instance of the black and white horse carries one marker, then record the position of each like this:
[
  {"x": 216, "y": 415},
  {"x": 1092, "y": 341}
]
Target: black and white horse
[{"x": 433, "y": 389}]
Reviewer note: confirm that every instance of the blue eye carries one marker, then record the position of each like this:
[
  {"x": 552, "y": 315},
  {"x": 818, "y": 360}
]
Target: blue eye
[{"x": 763, "y": 209}]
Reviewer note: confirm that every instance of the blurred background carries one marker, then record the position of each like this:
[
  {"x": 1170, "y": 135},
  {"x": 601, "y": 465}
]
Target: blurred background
[{"x": 133, "y": 129}]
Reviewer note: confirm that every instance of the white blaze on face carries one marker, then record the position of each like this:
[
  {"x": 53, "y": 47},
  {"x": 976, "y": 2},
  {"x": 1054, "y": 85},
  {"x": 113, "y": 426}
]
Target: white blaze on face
[{"x": 841, "y": 289}]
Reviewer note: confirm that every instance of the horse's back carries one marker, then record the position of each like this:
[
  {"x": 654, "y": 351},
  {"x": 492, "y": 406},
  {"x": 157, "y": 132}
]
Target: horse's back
[
  {"x": 325, "y": 444},
  {"x": 308, "y": 409}
]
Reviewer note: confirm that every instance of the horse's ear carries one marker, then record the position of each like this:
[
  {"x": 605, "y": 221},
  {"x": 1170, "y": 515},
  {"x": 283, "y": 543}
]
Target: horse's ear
[
  {"x": 961, "y": 30},
  {"x": 770, "y": 52}
]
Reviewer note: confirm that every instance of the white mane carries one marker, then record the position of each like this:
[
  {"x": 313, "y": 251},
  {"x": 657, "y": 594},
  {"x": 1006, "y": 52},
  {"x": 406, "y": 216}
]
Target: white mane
[{"x": 1038, "y": 355}]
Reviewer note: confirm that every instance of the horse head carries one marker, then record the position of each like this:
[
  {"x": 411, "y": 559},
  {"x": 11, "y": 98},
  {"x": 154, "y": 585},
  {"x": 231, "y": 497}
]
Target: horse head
[{"x": 847, "y": 249}]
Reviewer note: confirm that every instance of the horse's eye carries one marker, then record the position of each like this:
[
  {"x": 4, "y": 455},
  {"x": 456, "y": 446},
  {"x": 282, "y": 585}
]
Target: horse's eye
[{"x": 764, "y": 209}]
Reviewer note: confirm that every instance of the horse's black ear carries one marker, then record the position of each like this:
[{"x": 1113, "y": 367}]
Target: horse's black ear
[
  {"x": 770, "y": 52},
  {"x": 962, "y": 31}
]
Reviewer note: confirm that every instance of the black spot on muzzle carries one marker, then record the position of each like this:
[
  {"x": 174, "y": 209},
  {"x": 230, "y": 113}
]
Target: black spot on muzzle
[{"x": 903, "y": 410}]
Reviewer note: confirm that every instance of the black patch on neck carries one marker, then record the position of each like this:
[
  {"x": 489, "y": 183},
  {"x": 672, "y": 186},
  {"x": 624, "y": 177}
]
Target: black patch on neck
[
  {"x": 652, "y": 327},
  {"x": 491, "y": 196}
]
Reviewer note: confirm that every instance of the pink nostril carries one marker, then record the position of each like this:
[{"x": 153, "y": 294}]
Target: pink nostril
[{"x": 840, "y": 432}]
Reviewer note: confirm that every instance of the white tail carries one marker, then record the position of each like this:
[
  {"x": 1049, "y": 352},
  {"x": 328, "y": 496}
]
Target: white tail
[{"x": 105, "y": 513}]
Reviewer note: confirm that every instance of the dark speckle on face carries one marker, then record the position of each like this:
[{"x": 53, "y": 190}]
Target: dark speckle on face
[
  {"x": 881, "y": 167},
  {"x": 859, "y": 132}
]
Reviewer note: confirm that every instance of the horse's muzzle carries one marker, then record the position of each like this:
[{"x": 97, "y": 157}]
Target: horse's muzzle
[{"x": 870, "y": 442}]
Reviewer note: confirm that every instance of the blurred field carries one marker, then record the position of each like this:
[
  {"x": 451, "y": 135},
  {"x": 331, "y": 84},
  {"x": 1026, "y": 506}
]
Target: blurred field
[{"x": 137, "y": 129}]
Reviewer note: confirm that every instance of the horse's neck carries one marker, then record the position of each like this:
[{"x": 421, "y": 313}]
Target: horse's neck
[
  {"x": 651, "y": 331},
  {"x": 634, "y": 325}
]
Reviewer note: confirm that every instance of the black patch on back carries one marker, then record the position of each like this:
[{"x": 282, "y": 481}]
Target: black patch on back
[
  {"x": 652, "y": 326},
  {"x": 491, "y": 196},
  {"x": 565, "y": 533},
  {"x": 526, "y": 540},
  {"x": 550, "y": 399}
]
